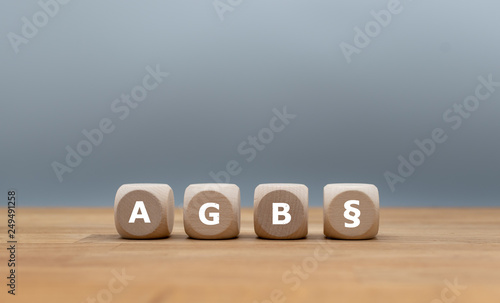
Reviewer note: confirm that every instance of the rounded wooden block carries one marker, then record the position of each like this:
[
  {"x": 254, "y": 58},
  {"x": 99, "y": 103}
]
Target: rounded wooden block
[
  {"x": 296, "y": 196},
  {"x": 158, "y": 202},
  {"x": 224, "y": 221},
  {"x": 351, "y": 211}
]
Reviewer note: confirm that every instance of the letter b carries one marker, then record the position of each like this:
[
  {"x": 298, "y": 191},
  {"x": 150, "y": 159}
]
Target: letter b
[{"x": 281, "y": 210}]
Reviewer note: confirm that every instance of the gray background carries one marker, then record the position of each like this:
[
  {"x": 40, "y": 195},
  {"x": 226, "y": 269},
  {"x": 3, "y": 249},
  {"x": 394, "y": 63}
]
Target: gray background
[{"x": 353, "y": 120}]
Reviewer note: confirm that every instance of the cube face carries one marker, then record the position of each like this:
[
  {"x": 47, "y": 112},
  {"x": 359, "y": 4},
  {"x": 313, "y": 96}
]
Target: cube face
[
  {"x": 212, "y": 211},
  {"x": 144, "y": 211},
  {"x": 281, "y": 211},
  {"x": 351, "y": 211}
]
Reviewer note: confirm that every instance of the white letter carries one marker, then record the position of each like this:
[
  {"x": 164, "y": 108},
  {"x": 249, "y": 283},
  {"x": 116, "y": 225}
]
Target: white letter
[
  {"x": 139, "y": 206},
  {"x": 214, "y": 216},
  {"x": 347, "y": 214},
  {"x": 284, "y": 212}
]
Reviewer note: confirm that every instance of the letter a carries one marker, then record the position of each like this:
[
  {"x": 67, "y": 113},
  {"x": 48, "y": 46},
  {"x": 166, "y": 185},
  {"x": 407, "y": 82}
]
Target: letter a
[{"x": 139, "y": 206}]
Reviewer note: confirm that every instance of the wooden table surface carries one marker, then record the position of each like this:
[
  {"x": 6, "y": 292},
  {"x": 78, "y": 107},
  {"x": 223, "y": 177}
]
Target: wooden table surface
[{"x": 420, "y": 255}]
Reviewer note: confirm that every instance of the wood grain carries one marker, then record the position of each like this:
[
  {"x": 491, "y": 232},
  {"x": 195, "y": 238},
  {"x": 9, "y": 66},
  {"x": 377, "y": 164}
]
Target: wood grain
[
  {"x": 295, "y": 197},
  {"x": 228, "y": 199},
  {"x": 158, "y": 203},
  {"x": 68, "y": 255},
  {"x": 366, "y": 198}
]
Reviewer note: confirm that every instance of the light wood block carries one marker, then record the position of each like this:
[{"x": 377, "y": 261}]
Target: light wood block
[
  {"x": 281, "y": 211},
  {"x": 144, "y": 211},
  {"x": 212, "y": 211},
  {"x": 351, "y": 211}
]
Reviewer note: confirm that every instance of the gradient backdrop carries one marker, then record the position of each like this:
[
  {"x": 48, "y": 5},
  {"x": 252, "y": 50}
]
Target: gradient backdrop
[{"x": 228, "y": 70}]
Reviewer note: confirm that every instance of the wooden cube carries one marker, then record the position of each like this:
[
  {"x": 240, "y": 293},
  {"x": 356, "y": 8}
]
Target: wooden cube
[
  {"x": 280, "y": 211},
  {"x": 144, "y": 211},
  {"x": 351, "y": 211},
  {"x": 212, "y": 211}
]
